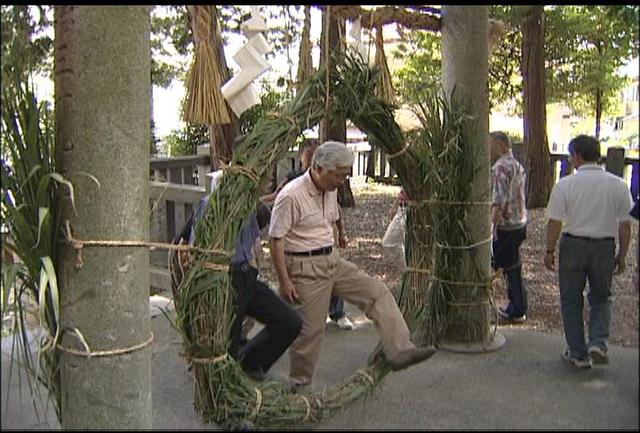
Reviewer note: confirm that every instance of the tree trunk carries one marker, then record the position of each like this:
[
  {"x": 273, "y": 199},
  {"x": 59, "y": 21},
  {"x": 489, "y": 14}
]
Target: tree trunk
[
  {"x": 102, "y": 114},
  {"x": 598, "y": 112},
  {"x": 465, "y": 67},
  {"x": 334, "y": 129},
  {"x": 540, "y": 177},
  {"x": 371, "y": 159}
]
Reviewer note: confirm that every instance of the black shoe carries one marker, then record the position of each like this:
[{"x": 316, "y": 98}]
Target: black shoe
[
  {"x": 503, "y": 317},
  {"x": 411, "y": 356}
]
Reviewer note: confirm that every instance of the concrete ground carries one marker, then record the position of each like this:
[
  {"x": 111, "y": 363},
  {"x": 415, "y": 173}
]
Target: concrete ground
[{"x": 523, "y": 385}]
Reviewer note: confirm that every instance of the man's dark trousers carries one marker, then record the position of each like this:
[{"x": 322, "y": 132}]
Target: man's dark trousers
[
  {"x": 506, "y": 255},
  {"x": 282, "y": 324}
]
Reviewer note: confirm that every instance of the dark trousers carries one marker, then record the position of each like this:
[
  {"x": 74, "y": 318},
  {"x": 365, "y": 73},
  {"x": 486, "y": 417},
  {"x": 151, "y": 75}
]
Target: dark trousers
[
  {"x": 282, "y": 324},
  {"x": 336, "y": 308},
  {"x": 506, "y": 255}
]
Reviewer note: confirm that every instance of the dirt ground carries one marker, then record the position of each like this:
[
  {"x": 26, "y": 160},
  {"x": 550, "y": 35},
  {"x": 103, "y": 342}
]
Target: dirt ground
[{"x": 366, "y": 223}]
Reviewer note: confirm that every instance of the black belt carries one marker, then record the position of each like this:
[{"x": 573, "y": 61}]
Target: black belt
[
  {"x": 587, "y": 238},
  {"x": 319, "y": 252},
  {"x": 240, "y": 267}
]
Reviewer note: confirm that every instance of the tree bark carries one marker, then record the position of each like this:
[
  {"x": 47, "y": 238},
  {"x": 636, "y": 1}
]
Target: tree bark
[
  {"x": 598, "y": 112},
  {"x": 465, "y": 67},
  {"x": 332, "y": 128},
  {"x": 102, "y": 112},
  {"x": 540, "y": 177}
]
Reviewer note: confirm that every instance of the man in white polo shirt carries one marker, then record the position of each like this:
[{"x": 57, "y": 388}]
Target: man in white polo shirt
[
  {"x": 595, "y": 206},
  {"x": 309, "y": 269}
]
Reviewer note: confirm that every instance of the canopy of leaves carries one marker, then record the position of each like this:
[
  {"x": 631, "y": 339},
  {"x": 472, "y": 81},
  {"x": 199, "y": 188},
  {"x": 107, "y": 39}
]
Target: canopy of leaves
[
  {"x": 26, "y": 48},
  {"x": 421, "y": 53},
  {"x": 586, "y": 47}
]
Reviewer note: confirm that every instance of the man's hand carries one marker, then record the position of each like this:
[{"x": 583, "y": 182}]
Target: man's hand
[
  {"x": 288, "y": 291},
  {"x": 549, "y": 259},
  {"x": 342, "y": 241},
  {"x": 620, "y": 265}
]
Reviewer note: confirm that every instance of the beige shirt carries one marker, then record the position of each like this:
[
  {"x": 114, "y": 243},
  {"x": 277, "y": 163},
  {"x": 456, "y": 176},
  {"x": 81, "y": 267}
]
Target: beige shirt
[
  {"x": 303, "y": 215},
  {"x": 591, "y": 202}
]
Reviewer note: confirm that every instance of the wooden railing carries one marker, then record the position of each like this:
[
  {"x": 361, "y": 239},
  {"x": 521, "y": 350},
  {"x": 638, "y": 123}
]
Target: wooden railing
[{"x": 177, "y": 184}]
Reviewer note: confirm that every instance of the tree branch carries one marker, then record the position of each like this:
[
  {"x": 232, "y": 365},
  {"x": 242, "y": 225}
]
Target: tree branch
[{"x": 388, "y": 15}]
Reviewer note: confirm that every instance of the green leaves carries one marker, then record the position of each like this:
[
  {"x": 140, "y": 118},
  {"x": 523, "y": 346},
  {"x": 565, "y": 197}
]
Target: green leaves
[{"x": 30, "y": 212}]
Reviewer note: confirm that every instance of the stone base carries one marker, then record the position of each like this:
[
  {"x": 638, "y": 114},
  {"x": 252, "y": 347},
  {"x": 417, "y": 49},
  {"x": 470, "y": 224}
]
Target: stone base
[{"x": 495, "y": 342}]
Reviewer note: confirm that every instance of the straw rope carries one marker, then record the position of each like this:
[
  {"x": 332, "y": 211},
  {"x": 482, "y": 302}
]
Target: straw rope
[
  {"x": 455, "y": 203},
  {"x": 256, "y": 409},
  {"x": 79, "y": 244},
  {"x": 215, "y": 266},
  {"x": 418, "y": 270},
  {"x": 105, "y": 353},
  {"x": 220, "y": 358},
  {"x": 465, "y": 247},
  {"x": 242, "y": 170},
  {"x": 366, "y": 376},
  {"x": 308, "y": 414}
]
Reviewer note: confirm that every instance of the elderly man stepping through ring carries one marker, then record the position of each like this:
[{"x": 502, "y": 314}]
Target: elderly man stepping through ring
[{"x": 310, "y": 269}]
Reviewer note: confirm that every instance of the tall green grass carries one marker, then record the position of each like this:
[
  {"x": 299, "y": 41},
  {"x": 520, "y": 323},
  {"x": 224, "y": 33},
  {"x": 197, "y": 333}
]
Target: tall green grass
[{"x": 31, "y": 218}]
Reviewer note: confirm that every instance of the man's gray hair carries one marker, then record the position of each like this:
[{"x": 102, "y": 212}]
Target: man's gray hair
[
  {"x": 500, "y": 136},
  {"x": 333, "y": 154}
]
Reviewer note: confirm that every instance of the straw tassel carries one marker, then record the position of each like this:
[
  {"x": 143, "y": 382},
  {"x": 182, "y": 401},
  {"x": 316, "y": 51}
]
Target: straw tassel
[
  {"x": 204, "y": 103},
  {"x": 305, "y": 65},
  {"x": 384, "y": 89}
]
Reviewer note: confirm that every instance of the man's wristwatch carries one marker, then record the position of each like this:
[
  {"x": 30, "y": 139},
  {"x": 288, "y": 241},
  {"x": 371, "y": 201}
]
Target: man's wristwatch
[{"x": 550, "y": 251}]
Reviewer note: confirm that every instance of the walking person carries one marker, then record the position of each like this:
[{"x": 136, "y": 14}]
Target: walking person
[
  {"x": 310, "y": 269},
  {"x": 594, "y": 206},
  {"x": 509, "y": 217}
]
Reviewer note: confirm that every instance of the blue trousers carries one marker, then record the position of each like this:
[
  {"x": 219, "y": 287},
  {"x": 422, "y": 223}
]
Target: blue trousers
[
  {"x": 506, "y": 255},
  {"x": 583, "y": 260}
]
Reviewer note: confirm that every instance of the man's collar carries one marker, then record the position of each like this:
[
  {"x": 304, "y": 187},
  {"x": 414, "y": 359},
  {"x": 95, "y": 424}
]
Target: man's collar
[
  {"x": 590, "y": 166},
  {"x": 312, "y": 187}
]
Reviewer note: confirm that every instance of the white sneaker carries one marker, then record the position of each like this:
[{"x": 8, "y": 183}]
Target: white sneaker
[{"x": 345, "y": 324}]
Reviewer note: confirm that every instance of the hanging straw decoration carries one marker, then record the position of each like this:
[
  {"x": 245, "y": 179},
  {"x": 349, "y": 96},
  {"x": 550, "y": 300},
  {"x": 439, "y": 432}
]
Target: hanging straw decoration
[
  {"x": 385, "y": 88},
  {"x": 204, "y": 103},
  {"x": 305, "y": 65}
]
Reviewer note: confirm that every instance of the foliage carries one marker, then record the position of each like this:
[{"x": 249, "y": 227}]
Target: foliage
[
  {"x": 586, "y": 46},
  {"x": 30, "y": 190},
  {"x": 421, "y": 53},
  {"x": 422, "y": 70},
  {"x": 24, "y": 43},
  {"x": 185, "y": 141}
]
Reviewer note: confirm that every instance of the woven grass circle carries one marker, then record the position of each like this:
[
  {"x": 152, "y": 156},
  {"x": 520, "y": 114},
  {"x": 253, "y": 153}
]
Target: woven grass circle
[{"x": 223, "y": 394}]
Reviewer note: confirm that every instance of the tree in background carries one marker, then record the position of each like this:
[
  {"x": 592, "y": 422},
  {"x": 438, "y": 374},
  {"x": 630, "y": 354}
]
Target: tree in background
[
  {"x": 534, "y": 113},
  {"x": 586, "y": 47}
]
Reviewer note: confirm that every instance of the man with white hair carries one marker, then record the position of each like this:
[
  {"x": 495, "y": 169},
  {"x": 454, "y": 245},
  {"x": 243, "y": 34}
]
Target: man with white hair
[{"x": 309, "y": 269}]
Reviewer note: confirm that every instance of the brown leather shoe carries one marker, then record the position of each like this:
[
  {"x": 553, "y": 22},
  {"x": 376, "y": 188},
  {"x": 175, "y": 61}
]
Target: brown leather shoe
[{"x": 411, "y": 356}]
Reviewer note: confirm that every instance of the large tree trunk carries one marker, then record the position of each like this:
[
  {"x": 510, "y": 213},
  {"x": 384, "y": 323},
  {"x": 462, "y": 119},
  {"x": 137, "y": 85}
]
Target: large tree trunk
[
  {"x": 334, "y": 129},
  {"x": 540, "y": 177},
  {"x": 102, "y": 114},
  {"x": 465, "y": 67},
  {"x": 598, "y": 112}
]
